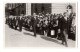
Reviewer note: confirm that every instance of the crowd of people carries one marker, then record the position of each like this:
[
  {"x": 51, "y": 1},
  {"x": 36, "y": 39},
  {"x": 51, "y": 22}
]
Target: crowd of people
[{"x": 62, "y": 25}]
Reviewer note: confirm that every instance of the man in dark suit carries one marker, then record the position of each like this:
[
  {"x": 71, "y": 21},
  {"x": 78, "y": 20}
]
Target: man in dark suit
[
  {"x": 34, "y": 23},
  {"x": 16, "y": 22},
  {"x": 20, "y": 22},
  {"x": 12, "y": 22},
  {"x": 64, "y": 29}
]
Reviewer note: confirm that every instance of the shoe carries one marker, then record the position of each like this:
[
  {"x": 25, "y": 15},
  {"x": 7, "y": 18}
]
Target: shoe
[
  {"x": 34, "y": 35},
  {"x": 66, "y": 45},
  {"x": 53, "y": 36}
]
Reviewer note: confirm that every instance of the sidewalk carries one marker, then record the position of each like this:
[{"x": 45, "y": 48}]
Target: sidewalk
[{"x": 14, "y": 38}]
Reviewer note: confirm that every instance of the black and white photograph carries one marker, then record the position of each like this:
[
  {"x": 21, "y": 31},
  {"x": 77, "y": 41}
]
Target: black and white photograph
[{"x": 40, "y": 25}]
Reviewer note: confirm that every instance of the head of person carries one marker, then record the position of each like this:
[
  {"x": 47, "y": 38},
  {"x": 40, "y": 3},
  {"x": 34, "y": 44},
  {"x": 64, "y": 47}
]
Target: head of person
[
  {"x": 34, "y": 14},
  {"x": 40, "y": 14},
  {"x": 21, "y": 15},
  {"x": 65, "y": 16}
]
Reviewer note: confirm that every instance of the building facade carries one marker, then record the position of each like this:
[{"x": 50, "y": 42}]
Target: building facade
[
  {"x": 50, "y": 7},
  {"x": 30, "y": 8},
  {"x": 15, "y": 9}
]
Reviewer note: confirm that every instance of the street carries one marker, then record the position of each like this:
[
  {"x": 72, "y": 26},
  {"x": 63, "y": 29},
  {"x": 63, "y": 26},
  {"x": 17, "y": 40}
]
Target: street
[{"x": 14, "y": 38}]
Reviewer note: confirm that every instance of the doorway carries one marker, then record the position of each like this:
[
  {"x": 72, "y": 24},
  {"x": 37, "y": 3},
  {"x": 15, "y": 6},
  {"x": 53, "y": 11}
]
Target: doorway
[{"x": 40, "y": 8}]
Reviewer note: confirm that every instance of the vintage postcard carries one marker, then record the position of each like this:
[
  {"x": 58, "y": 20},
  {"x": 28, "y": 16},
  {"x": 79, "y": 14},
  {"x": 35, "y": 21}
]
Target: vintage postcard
[{"x": 40, "y": 24}]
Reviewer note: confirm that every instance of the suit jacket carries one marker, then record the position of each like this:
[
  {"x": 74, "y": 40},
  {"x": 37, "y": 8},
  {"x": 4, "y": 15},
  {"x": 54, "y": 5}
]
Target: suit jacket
[
  {"x": 20, "y": 22},
  {"x": 34, "y": 21}
]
